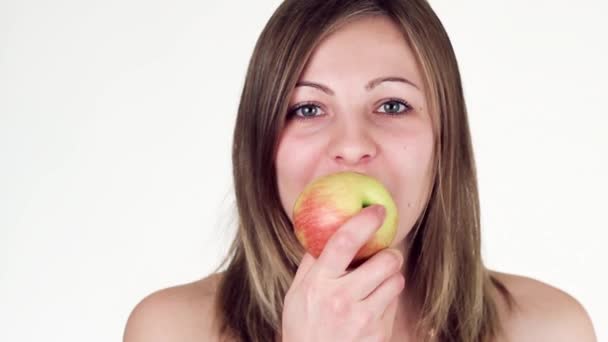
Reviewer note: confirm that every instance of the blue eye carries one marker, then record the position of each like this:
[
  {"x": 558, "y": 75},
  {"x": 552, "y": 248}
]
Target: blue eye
[
  {"x": 310, "y": 110},
  {"x": 392, "y": 107}
]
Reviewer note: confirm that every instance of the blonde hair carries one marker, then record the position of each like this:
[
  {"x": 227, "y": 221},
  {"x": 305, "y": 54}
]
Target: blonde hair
[{"x": 446, "y": 278}]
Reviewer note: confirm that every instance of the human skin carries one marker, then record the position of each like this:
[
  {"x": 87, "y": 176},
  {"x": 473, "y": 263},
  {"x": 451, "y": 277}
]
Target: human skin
[
  {"x": 379, "y": 128},
  {"x": 351, "y": 134},
  {"x": 359, "y": 129}
]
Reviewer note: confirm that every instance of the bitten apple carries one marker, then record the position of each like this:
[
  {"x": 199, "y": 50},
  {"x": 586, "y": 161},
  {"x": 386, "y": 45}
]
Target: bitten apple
[{"x": 328, "y": 202}]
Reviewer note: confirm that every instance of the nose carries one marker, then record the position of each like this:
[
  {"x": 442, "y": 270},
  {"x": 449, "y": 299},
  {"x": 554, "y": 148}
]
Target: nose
[{"x": 351, "y": 144}]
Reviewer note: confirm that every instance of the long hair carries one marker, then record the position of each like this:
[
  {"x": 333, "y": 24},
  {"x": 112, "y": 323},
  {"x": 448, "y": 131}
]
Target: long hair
[{"x": 446, "y": 278}]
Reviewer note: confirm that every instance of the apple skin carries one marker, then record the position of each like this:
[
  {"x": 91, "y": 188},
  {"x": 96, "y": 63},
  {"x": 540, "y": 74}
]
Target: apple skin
[{"x": 328, "y": 202}]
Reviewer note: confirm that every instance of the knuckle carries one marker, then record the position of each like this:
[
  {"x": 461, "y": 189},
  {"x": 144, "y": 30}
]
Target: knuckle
[
  {"x": 400, "y": 279},
  {"x": 345, "y": 241},
  {"x": 308, "y": 292},
  {"x": 312, "y": 291},
  {"x": 380, "y": 336},
  {"x": 390, "y": 261},
  {"x": 308, "y": 284},
  {"x": 339, "y": 305},
  {"x": 393, "y": 259},
  {"x": 363, "y": 318},
  {"x": 397, "y": 282}
]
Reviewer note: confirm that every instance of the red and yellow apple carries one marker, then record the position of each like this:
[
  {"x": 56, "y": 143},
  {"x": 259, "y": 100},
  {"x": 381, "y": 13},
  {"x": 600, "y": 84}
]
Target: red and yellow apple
[{"x": 328, "y": 202}]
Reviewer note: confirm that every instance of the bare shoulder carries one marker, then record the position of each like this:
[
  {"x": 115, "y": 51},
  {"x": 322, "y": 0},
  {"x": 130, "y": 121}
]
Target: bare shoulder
[
  {"x": 179, "y": 313},
  {"x": 542, "y": 312}
]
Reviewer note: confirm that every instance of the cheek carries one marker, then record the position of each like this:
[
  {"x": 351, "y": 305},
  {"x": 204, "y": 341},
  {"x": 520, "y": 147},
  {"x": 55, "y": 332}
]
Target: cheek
[
  {"x": 415, "y": 179},
  {"x": 294, "y": 163}
]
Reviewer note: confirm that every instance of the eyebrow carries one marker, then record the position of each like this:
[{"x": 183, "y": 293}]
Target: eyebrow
[{"x": 369, "y": 86}]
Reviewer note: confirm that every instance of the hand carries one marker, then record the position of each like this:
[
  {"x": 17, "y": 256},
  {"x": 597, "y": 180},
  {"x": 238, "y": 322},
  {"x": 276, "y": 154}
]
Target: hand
[{"x": 326, "y": 303}]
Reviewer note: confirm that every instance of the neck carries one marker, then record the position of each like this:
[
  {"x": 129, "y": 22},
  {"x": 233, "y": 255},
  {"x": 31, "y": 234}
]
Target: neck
[
  {"x": 404, "y": 327},
  {"x": 404, "y": 324}
]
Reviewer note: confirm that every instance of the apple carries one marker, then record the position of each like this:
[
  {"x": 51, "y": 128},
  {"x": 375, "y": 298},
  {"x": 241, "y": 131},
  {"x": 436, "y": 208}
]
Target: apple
[{"x": 329, "y": 201}]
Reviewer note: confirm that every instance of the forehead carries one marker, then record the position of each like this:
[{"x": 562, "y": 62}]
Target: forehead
[{"x": 367, "y": 47}]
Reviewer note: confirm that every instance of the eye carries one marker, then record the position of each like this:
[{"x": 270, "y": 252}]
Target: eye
[
  {"x": 392, "y": 107},
  {"x": 304, "y": 111},
  {"x": 310, "y": 110}
]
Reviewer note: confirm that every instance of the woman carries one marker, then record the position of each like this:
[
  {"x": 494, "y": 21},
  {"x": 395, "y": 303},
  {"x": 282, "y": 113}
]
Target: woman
[{"x": 369, "y": 86}]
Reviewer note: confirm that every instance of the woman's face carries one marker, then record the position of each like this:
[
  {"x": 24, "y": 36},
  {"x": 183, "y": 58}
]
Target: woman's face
[{"x": 356, "y": 125}]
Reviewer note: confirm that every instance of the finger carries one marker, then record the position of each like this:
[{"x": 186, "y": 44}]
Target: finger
[
  {"x": 385, "y": 324},
  {"x": 390, "y": 313},
  {"x": 373, "y": 272},
  {"x": 344, "y": 244},
  {"x": 389, "y": 316},
  {"x": 303, "y": 269},
  {"x": 379, "y": 300}
]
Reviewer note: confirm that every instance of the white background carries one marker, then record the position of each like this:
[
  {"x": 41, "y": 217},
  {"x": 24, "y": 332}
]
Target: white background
[{"x": 116, "y": 124}]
